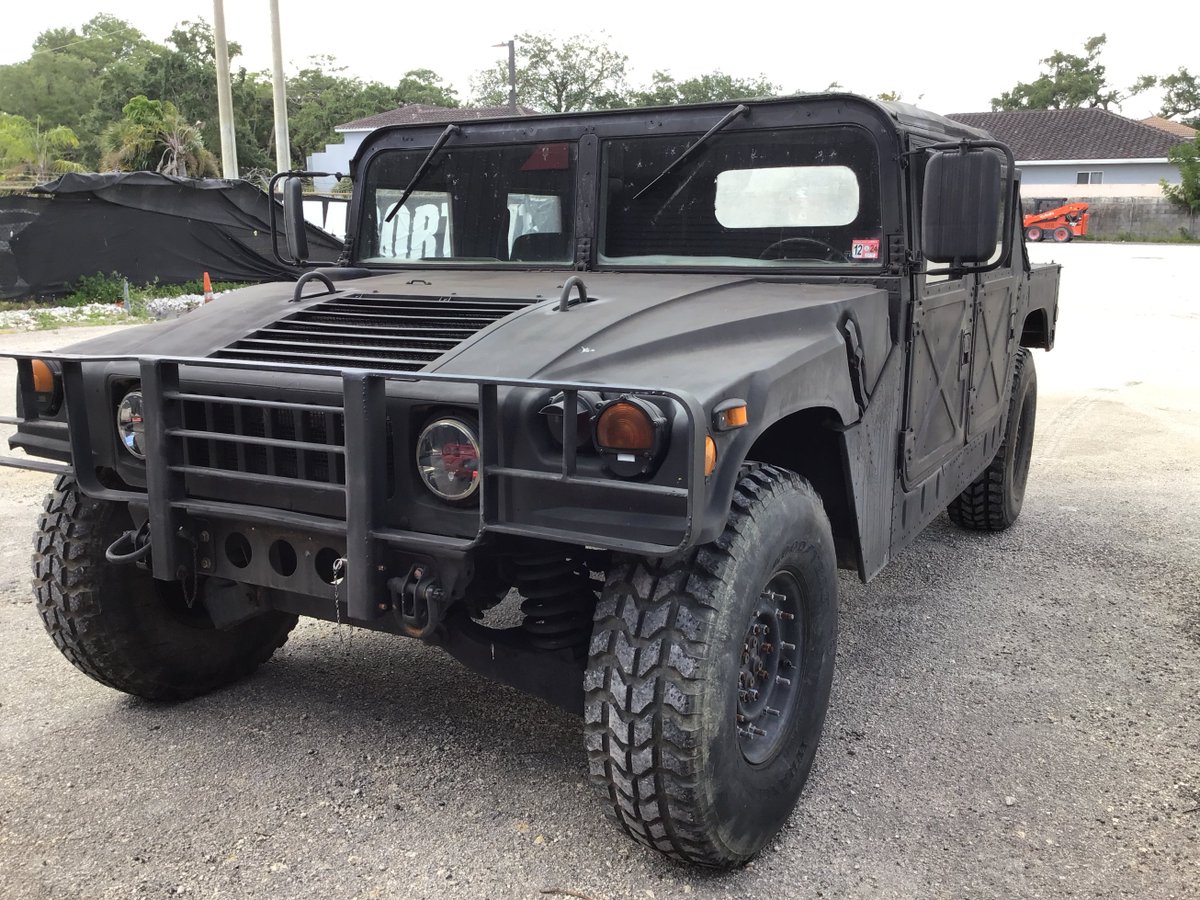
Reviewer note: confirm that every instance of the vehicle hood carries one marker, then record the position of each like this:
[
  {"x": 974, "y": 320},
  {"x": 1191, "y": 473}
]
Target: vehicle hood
[{"x": 701, "y": 333}]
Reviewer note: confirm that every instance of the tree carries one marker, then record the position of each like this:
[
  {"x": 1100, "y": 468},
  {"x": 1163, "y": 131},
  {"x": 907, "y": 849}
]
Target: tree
[
  {"x": 1070, "y": 82},
  {"x": 1186, "y": 158},
  {"x": 664, "y": 90},
  {"x": 321, "y": 97},
  {"x": 78, "y": 78},
  {"x": 27, "y": 148},
  {"x": 578, "y": 73},
  {"x": 153, "y": 135},
  {"x": 425, "y": 86},
  {"x": 1181, "y": 95}
]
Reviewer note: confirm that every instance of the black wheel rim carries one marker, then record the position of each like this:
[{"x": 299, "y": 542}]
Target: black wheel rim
[{"x": 772, "y": 653}]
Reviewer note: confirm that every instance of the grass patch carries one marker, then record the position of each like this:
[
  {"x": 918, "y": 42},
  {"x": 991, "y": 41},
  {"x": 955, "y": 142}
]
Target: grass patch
[{"x": 110, "y": 288}]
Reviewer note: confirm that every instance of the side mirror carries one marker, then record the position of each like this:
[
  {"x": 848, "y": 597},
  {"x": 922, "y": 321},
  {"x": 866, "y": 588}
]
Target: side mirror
[
  {"x": 967, "y": 201},
  {"x": 293, "y": 220}
]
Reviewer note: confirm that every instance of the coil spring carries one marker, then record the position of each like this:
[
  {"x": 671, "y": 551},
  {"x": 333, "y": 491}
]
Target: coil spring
[{"x": 558, "y": 599}]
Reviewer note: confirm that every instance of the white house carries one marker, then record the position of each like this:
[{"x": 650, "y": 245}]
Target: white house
[{"x": 1082, "y": 152}]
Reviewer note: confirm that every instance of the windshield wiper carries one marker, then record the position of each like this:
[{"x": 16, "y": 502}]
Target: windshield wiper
[
  {"x": 423, "y": 168},
  {"x": 741, "y": 109}
]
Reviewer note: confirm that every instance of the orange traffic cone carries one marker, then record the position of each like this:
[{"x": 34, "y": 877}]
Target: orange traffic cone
[{"x": 208, "y": 294}]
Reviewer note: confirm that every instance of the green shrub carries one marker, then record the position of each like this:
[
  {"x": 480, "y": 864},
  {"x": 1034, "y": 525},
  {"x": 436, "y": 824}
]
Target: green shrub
[{"x": 98, "y": 288}]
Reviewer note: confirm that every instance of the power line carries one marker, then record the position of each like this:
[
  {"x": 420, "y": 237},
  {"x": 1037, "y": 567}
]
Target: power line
[{"x": 90, "y": 37}]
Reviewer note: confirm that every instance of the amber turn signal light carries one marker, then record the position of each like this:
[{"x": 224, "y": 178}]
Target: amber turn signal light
[
  {"x": 710, "y": 455},
  {"x": 47, "y": 387},
  {"x": 730, "y": 414},
  {"x": 630, "y": 435},
  {"x": 626, "y": 426},
  {"x": 43, "y": 377}
]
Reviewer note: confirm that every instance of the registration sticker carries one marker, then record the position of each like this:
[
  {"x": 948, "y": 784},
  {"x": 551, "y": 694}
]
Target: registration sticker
[{"x": 861, "y": 249}]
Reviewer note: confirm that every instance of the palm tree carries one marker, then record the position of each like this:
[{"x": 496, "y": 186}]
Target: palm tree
[
  {"x": 153, "y": 135},
  {"x": 25, "y": 147}
]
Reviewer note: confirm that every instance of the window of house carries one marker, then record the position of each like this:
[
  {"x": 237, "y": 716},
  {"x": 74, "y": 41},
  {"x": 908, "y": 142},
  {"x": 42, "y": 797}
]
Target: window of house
[{"x": 1089, "y": 178}]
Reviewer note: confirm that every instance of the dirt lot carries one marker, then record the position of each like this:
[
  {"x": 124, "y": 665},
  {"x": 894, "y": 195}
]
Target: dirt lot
[{"x": 1013, "y": 715}]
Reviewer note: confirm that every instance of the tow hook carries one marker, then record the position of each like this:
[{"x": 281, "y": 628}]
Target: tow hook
[
  {"x": 131, "y": 547},
  {"x": 417, "y": 599}
]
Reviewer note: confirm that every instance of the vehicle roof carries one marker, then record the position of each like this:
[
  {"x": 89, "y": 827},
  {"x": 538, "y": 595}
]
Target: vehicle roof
[{"x": 904, "y": 116}]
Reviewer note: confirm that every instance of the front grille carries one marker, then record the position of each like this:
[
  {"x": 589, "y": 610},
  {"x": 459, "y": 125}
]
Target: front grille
[
  {"x": 303, "y": 444},
  {"x": 378, "y": 331}
]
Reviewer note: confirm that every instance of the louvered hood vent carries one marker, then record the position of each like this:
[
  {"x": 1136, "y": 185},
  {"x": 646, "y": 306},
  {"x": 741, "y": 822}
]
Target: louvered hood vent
[{"x": 377, "y": 331}]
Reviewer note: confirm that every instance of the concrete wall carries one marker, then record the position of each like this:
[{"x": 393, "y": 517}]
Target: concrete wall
[{"x": 1148, "y": 217}]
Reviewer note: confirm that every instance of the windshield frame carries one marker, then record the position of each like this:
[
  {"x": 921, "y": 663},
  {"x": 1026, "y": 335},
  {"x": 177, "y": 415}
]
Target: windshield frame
[{"x": 889, "y": 127}]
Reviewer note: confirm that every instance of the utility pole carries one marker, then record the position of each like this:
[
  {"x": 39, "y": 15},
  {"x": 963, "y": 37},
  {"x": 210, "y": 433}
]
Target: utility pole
[
  {"x": 283, "y": 149},
  {"x": 229, "y": 166},
  {"x": 512, "y": 75},
  {"x": 512, "y": 72}
]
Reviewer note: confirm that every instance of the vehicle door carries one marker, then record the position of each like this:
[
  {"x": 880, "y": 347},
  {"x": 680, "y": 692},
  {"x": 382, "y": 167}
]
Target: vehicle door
[
  {"x": 992, "y": 338},
  {"x": 939, "y": 342}
]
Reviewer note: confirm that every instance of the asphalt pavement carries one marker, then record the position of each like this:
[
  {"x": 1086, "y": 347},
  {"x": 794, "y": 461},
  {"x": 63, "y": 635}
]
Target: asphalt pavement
[{"x": 1014, "y": 715}]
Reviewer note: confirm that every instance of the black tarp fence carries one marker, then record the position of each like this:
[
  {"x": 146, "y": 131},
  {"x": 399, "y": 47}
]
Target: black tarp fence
[{"x": 144, "y": 226}]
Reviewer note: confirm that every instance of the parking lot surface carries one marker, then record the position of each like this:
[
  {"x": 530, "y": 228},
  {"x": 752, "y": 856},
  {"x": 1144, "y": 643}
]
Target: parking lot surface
[{"x": 1013, "y": 715}]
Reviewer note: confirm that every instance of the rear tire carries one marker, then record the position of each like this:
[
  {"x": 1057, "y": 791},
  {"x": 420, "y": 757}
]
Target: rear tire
[
  {"x": 119, "y": 625},
  {"x": 686, "y": 760},
  {"x": 993, "y": 501},
  {"x": 1062, "y": 235}
]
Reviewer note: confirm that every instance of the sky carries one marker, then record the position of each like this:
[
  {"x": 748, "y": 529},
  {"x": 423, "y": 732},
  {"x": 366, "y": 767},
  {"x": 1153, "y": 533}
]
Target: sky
[{"x": 948, "y": 59}]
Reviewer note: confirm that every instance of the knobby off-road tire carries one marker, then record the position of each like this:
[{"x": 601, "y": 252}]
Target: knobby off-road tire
[
  {"x": 120, "y": 626},
  {"x": 665, "y": 705},
  {"x": 993, "y": 501}
]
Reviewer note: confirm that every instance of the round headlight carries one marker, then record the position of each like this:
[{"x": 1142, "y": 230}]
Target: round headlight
[
  {"x": 448, "y": 459},
  {"x": 130, "y": 428}
]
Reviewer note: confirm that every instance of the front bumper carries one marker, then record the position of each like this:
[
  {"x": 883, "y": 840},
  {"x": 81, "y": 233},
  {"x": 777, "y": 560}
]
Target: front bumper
[{"x": 194, "y": 535}]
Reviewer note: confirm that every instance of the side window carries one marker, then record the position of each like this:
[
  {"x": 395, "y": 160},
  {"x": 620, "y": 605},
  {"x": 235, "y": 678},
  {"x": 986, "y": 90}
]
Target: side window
[{"x": 1089, "y": 178}]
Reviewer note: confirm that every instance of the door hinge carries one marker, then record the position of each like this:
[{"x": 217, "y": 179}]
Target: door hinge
[{"x": 904, "y": 447}]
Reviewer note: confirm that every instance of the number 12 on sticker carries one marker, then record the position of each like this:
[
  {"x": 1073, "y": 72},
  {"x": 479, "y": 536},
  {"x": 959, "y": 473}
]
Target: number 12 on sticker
[{"x": 864, "y": 249}]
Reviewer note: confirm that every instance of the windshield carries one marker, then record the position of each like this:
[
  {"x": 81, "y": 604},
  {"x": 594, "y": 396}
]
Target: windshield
[
  {"x": 476, "y": 205},
  {"x": 785, "y": 198}
]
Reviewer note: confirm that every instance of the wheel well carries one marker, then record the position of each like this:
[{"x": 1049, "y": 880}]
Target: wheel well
[
  {"x": 1036, "y": 331},
  {"x": 809, "y": 443}
]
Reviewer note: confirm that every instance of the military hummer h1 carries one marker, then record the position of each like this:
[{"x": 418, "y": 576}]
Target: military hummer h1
[{"x": 661, "y": 372}]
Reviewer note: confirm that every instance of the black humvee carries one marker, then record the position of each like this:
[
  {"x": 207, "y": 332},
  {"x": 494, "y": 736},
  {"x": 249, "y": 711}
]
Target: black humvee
[{"x": 661, "y": 372}]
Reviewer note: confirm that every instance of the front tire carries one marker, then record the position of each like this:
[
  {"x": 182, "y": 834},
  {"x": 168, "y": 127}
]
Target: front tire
[
  {"x": 1033, "y": 233},
  {"x": 709, "y": 677},
  {"x": 119, "y": 625},
  {"x": 993, "y": 501}
]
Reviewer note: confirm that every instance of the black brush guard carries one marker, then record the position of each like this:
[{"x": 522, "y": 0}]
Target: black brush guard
[{"x": 368, "y": 539}]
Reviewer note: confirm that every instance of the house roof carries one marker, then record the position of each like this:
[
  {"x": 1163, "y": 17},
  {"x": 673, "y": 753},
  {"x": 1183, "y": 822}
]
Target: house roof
[
  {"x": 1184, "y": 131},
  {"x": 425, "y": 113},
  {"x": 1050, "y": 134}
]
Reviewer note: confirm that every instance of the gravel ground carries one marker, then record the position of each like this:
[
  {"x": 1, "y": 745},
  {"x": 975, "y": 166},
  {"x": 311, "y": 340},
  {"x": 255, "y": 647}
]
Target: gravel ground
[{"x": 1013, "y": 715}]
